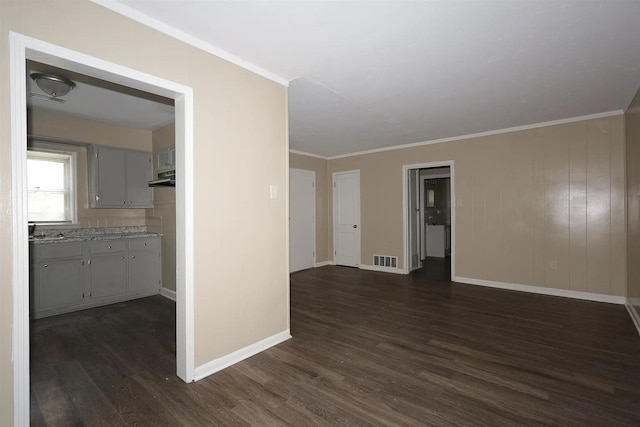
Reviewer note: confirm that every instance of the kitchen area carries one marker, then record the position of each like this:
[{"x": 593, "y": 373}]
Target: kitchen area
[{"x": 101, "y": 193}]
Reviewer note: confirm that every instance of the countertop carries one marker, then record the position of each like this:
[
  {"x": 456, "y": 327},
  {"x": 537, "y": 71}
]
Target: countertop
[{"x": 91, "y": 234}]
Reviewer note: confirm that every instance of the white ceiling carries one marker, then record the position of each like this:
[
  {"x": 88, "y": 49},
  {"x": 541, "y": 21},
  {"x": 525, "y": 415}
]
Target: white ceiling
[
  {"x": 372, "y": 74},
  {"x": 102, "y": 101}
]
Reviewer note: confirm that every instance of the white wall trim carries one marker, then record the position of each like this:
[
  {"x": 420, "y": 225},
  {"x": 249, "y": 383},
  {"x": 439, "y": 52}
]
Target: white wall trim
[
  {"x": 223, "y": 362},
  {"x": 481, "y": 134},
  {"x": 323, "y": 263},
  {"x": 631, "y": 304},
  {"x": 302, "y": 153},
  {"x": 168, "y": 293},
  {"x": 20, "y": 244},
  {"x": 543, "y": 291},
  {"x": 22, "y": 48},
  {"x": 405, "y": 210},
  {"x": 381, "y": 269},
  {"x": 160, "y": 26}
]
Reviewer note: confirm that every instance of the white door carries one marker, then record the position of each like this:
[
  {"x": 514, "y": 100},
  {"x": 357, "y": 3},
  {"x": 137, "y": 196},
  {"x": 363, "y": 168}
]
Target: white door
[
  {"x": 346, "y": 218},
  {"x": 414, "y": 219},
  {"x": 302, "y": 219}
]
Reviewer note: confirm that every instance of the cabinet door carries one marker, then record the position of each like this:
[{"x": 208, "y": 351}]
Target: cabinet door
[
  {"x": 139, "y": 173},
  {"x": 58, "y": 283},
  {"x": 108, "y": 275},
  {"x": 144, "y": 271},
  {"x": 110, "y": 182}
]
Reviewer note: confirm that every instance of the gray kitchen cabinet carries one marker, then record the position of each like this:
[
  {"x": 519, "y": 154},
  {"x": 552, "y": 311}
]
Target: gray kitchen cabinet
[
  {"x": 108, "y": 275},
  {"x": 58, "y": 277},
  {"x": 144, "y": 264},
  {"x": 66, "y": 277},
  {"x": 58, "y": 283},
  {"x": 119, "y": 178},
  {"x": 166, "y": 159}
]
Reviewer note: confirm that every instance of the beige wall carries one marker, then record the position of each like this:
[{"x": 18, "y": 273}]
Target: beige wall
[
  {"x": 525, "y": 199},
  {"x": 319, "y": 166},
  {"x": 162, "y": 217},
  {"x": 240, "y": 120},
  {"x": 49, "y": 124},
  {"x": 632, "y": 120}
]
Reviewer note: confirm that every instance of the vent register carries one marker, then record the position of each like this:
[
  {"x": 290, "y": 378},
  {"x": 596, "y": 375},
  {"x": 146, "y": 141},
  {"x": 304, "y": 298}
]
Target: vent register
[{"x": 385, "y": 261}]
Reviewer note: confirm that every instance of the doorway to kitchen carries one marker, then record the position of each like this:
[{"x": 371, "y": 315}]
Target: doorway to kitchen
[
  {"x": 429, "y": 220},
  {"x": 25, "y": 48}
]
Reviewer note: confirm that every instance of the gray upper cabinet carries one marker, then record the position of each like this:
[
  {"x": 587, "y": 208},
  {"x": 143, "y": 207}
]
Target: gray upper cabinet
[{"x": 119, "y": 178}]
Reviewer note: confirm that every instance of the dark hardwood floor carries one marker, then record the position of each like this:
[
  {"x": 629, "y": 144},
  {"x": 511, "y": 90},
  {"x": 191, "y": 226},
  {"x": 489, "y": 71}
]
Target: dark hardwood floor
[{"x": 367, "y": 349}]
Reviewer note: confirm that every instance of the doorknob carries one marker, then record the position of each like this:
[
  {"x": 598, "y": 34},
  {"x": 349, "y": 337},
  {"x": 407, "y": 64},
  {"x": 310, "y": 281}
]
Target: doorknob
[{"x": 355, "y": 226}]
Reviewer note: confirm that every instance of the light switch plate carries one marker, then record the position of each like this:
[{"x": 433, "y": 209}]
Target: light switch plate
[{"x": 273, "y": 191}]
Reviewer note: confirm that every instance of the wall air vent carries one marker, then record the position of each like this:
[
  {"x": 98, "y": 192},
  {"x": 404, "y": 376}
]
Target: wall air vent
[{"x": 385, "y": 261}]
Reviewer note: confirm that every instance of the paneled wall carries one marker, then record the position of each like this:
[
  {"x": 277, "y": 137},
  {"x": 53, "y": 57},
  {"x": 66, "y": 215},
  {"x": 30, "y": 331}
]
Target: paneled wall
[
  {"x": 632, "y": 117},
  {"x": 542, "y": 207}
]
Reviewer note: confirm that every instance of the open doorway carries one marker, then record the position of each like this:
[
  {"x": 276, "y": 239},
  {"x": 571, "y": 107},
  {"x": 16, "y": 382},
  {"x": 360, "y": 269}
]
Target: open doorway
[
  {"x": 24, "y": 48},
  {"x": 429, "y": 219}
]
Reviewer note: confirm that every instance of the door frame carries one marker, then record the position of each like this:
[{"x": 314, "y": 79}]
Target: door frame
[
  {"x": 21, "y": 48},
  {"x": 313, "y": 173},
  {"x": 333, "y": 202},
  {"x": 423, "y": 237},
  {"x": 405, "y": 210}
]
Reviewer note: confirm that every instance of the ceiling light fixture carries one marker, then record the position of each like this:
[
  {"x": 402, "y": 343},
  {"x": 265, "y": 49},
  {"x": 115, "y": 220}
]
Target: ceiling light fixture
[{"x": 53, "y": 85}]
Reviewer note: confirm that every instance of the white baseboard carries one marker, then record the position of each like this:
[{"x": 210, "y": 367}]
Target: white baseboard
[
  {"x": 168, "y": 293},
  {"x": 631, "y": 305},
  {"x": 544, "y": 291},
  {"x": 382, "y": 269},
  {"x": 220, "y": 363},
  {"x": 323, "y": 263}
]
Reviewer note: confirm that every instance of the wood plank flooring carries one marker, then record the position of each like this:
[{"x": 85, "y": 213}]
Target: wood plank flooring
[{"x": 368, "y": 348}]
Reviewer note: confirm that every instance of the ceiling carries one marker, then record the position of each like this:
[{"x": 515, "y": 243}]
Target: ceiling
[
  {"x": 99, "y": 100},
  {"x": 371, "y": 74}
]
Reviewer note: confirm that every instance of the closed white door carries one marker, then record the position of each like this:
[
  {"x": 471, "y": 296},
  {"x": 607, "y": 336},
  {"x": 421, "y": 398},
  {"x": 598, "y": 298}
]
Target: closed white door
[
  {"x": 302, "y": 222},
  {"x": 346, "y": 218}
]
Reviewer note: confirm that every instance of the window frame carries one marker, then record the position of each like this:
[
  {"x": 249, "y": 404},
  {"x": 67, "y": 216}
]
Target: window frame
[{"x": 73, "y": 186}]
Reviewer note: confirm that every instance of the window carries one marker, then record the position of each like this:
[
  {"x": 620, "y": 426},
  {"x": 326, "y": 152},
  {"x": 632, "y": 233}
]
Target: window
[{"x": 51, "y": 186}]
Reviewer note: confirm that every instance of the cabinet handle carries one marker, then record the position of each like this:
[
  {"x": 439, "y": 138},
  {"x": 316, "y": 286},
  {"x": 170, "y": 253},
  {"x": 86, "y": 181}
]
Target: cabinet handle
[
  {"x": 124, "y": 203},
  {"x": 109, "y": 247},
  {"x": 133, "y": 257},
  {"x": 46, "y": 265},
  {"x": 145, "y": 244},
  {"x": 121, "y": 257}
]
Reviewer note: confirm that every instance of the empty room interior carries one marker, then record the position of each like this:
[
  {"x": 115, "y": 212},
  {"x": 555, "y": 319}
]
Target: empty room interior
[{"x": 320, "y": 213}]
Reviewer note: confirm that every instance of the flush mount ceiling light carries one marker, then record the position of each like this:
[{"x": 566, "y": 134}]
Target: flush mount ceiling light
[{"x": 53, "y": 85}]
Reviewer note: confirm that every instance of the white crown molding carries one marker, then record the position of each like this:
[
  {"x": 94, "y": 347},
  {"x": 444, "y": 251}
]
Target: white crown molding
[
  {"x": 631, "y": 308},
  {"x": 613, "y": 299},
  {"x": 223, "y": 362},
  {"x": 168, "y": 293},
  {"x": 381, "y": 269},
  {"x": 481, "y": 134},
  {"x": 160, "y": 26},
  {"x": 302, "y": 153}
]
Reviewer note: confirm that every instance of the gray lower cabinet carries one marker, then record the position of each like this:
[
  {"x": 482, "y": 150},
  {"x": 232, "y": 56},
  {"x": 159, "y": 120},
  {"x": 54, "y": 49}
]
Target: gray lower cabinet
[
  {"x": 108, "y": 275},
  {"x": 58, "y": 283},
  {"x": 145, "y": 271},
  {"x": 73, "y": 276}
]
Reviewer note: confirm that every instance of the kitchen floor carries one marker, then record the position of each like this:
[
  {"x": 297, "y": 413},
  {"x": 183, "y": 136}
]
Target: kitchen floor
[{"x": 368, "y": 348}]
